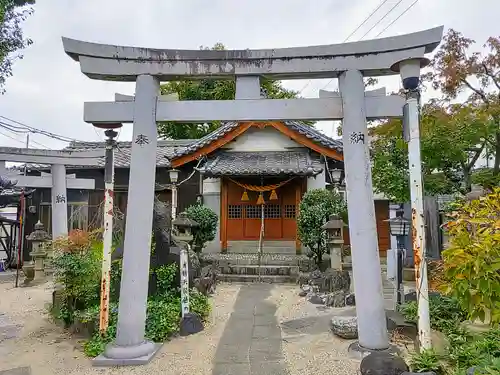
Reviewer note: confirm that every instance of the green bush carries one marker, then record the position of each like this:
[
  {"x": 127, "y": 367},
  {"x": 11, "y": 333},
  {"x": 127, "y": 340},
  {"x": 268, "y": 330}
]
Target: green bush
[
  {"x": 77, "y": 266},
  {"x": 207, "y": 220},
  {"x": 165, "y": 277},
  {"x": 426, "y": 360},
  {"x": 315, "y": 209},
  {"x": 472, "y": 259},
  {"x": 445, "y": 313}
]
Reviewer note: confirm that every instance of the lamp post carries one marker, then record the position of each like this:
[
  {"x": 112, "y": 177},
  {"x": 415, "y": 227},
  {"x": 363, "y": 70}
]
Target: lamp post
[
  {"x": 335, "y": 234},
  {"x": 174, "y": 178},
  {"x": 399, "y": 227},
  {"x": 409, "y": 71},
  {"x": 107, "y": 237},
  {"x": 336, "y": 177}
]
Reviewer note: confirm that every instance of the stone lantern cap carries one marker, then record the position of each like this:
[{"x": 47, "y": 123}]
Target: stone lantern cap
[
  {"x": 183, "y": 222},
  {"x": 39, "y": 234},
  {"x": 335, "y": 222}
]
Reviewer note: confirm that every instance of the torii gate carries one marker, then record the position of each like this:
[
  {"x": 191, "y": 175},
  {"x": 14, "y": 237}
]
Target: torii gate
[
  {"x": 349, "y": 62},
  {"x": 57, "y": 181}
]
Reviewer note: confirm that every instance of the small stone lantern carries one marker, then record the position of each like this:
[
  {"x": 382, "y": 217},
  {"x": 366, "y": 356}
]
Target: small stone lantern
[
  {"x": 182, "y": 228},
  {"x": 335, "y": 237},
  {"x": 38, "y": 253}
]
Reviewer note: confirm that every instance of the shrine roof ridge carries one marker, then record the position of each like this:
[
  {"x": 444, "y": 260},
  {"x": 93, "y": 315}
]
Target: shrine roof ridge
[{"x": 303, "y": 129}]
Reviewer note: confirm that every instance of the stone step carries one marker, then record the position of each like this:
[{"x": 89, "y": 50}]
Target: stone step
[
  {"x": 253, "y": 259},
  {"x": 271, "y": 247},
  {"x": 246, "y": 269},
  {"x": 272, "y": 279}
]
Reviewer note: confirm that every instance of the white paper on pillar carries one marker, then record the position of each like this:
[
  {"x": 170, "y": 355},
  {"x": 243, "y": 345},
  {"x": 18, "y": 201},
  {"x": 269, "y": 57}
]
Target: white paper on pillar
[{"x": 184, "y": 271}]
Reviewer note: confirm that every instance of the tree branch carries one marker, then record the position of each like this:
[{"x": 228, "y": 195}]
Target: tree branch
[
  {"x": 477, "y": 91},
  {"x": 491, "y": 75}
]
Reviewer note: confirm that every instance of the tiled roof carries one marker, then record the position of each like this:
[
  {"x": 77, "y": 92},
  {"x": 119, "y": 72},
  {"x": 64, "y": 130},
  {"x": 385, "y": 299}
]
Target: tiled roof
[
  {"x": 267, "y": 162},
  {"x": 164, "y": 152},
  {"x": 169, "y": 149},
  {"x": 306, "y": 130}
]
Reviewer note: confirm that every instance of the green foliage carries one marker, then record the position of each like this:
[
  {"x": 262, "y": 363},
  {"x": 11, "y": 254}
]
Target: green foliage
[
  {"x": 162, "y": 318},
  {"x": 207, "y": 220},
  {"x": 209, "y": 89},
  {"x": 165, "y": 276},
  {"x": 465, "y": 349},
  {"x": 472, "y": 260},
  {"x": 12, "y": 13},
  {"x": 426, "y": 360},
  {"x": 315, "y": 209},
  {"x": 199, "y": 304},
  {"x": 77, "y": 265},
  {"x": 445, "y": 312},
  {"x": 486, "y": 178}
]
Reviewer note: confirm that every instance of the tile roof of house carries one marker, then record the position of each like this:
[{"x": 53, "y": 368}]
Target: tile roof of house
[
  {"x": 306, "y": 130},
  {"x": 169, "y": 149},
  {"x": 164, "y": 152},
  {"x": 268, "y": 162}
]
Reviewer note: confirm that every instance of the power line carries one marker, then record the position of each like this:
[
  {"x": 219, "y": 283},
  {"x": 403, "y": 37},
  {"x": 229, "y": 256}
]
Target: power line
[
  {"x": 4, "y": 126},
  {"x": 365, "y": 20},
  {"x": 380, "y": 20},
  {"x": 8, "y": 136},
  {"x": 397, "y": 18},
  {"x": 24, "y": 128},
  {"x": 351, "y": 34}
]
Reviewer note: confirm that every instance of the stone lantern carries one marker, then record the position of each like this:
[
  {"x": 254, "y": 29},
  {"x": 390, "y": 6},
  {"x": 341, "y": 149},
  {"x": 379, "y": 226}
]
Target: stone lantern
[
  {"x": 182, "y": 228},
  {"x": 38, "y": 253},
  {"x": 182, "y": 231},
  {"x": 335, "y": 238}
]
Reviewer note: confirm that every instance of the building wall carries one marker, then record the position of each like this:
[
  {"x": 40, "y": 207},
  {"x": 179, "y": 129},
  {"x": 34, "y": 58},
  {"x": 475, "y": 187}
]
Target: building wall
[{"x": 266, "y": 139}]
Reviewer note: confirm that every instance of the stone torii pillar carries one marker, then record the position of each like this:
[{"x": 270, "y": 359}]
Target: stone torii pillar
[
  {"x": 349, "y": 62},
  {"x": 57, "y": 181}
]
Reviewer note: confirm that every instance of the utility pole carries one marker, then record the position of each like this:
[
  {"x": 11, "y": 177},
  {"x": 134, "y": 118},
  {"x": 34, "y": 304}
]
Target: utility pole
[
  {"x": 107, "y": 238},
  {"x": 410, "y": 74}
]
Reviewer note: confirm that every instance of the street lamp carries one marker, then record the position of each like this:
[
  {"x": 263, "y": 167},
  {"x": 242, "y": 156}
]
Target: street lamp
[
  {"x": 174, "y": 178},
  {"x": 336, "y": 177},
  {"x": 399, "y": 226},
  {"x": 107, "y": 236}
]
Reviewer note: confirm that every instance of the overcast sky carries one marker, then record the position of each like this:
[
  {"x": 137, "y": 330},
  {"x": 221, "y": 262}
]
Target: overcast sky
[{"x": 47, "y": 89}]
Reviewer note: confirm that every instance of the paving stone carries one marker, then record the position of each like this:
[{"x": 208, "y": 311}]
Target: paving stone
[
  {"x": 251, "y": 342},
  {"x": 17, "y": 371},
  {"x": 269, "y": 368},
  {"x": 231, "y": 369}
]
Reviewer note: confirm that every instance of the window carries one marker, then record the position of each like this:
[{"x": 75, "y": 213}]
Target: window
[
  {"x": 290, "y": 211},
  {"x": 272, "y": 211},
  {"x": 252, "y": 212},
  {"x": 234, "y": 211}
]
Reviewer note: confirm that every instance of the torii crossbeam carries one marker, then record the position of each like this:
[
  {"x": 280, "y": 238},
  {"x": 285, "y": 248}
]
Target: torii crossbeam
[{"x": 58, "y": 181}]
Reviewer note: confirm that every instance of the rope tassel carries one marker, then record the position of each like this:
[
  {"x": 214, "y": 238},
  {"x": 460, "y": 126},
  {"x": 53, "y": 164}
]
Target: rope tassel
[
  {"x": 260, "y": 200},
  {"x": 273, "y": 195},
  {"x": 244, "y": 197}
]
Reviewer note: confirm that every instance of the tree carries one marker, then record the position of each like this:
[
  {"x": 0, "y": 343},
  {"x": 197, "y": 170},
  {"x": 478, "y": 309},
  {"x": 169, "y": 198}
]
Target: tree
[
  {"x": 452, "y": 139},
  {"x": 455, "y": 71},
  {"x": 315, "y": 209},
  {"x": 12, "y": 13},
  {"x": 210, "y": 89}
]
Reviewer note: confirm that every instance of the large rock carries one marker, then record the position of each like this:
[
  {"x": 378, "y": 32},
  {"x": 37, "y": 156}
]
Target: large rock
[
  {"x": 382, "y": 363},
  {"x": 331, "y": 280},
  {"x": 335, "y": 299},
  {"x": 207, "y": 280},
  {"x": 345, "y": 326}
]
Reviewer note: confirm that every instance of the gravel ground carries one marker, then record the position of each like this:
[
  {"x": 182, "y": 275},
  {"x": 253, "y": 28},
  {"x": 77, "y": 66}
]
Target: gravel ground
[
  {"x": 308, "y": 345},
  {"x": 49, "y": 350}
]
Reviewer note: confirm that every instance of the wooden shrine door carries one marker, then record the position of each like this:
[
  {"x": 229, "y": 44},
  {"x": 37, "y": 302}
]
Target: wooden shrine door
[{"x": 244, "y": 217}]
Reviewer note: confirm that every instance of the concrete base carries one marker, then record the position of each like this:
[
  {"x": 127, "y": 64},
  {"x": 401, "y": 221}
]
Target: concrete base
[
  {"x": 358, "y": 352},
  {"x": 127, "y": 356}
]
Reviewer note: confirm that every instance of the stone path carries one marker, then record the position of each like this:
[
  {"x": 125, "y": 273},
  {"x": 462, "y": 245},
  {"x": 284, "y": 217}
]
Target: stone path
[{"x": 251, "y": 342}]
